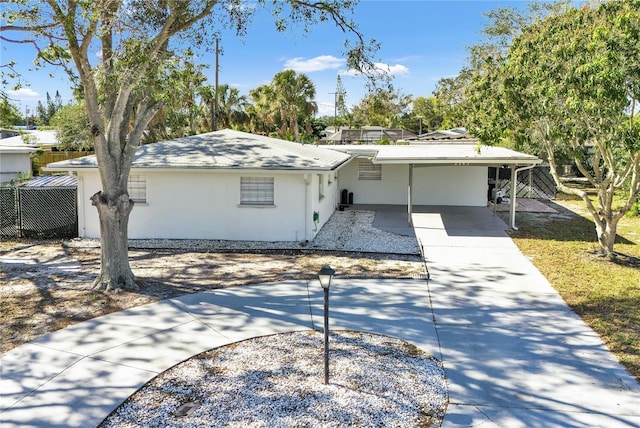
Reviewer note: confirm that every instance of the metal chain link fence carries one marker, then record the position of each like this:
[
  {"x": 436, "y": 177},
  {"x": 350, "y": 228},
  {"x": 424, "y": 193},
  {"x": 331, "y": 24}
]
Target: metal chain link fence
[
  {"x": 32, "y": 212},
  {"x": 534, "y": 183},
  {"x": 8, "y": 212}
]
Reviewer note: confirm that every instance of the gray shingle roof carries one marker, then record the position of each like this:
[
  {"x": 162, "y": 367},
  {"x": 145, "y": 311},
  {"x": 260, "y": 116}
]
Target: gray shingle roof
[{"x": 226, "y": 149}]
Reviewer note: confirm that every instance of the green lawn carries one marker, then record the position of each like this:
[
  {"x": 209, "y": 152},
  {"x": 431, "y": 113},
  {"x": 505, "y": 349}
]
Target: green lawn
[{"x": 605, "y": 294}]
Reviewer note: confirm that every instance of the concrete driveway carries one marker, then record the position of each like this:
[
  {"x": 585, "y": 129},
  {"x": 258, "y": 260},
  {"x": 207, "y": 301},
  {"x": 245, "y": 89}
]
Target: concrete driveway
[{"x": 515, "y": 355}]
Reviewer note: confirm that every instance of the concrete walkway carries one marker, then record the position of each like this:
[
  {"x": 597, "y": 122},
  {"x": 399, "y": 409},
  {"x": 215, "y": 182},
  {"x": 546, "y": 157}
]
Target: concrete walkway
[
  {"x": 75, "y": 377},
  {"x": 514, "y": 354}
]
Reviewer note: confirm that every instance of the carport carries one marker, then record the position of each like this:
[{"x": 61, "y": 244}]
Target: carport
[{"x": 447, "y": 155}]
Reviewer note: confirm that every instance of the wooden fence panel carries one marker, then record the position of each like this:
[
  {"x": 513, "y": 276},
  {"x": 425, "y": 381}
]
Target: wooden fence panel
[{"x": 50, "y": 156}]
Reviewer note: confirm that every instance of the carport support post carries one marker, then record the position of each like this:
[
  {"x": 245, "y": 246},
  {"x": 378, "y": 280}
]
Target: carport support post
[
  {"x": 512, "y": 197},
  {"x": 409, "y": 198}
]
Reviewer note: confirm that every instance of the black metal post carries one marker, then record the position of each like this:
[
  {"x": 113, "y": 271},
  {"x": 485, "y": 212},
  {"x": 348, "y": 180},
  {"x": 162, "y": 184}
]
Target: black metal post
[{"x": 326, "y": 335}]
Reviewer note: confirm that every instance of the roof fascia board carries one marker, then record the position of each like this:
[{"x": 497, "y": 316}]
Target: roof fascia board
[
  {"x": 373, "y": 153},
  {"x": 457, "y": 162},
  {"x": 195, "y": 170}
]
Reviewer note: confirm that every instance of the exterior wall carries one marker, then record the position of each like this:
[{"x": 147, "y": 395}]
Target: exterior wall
[
  {"x": 392, "y": 189},
  {"x": 12, "y": 164},
  {"x": 432, "y": 185},
  {"x": 450, "y": 185},
  {"x": 88, "y": 224},
  {"x": 205, "y": 205},
  {"x": 324, "y": 205}
]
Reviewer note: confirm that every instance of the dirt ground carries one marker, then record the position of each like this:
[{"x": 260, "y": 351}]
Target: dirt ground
[{"x": 46, "y": 286}]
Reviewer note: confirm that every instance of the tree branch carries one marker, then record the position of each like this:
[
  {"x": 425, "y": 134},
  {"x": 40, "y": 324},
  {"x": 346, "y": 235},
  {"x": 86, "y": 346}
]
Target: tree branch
[{"x": 38, "y": 29}]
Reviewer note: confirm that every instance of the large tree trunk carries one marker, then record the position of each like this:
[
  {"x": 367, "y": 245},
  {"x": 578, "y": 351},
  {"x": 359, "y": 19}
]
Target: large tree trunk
[
  {"x": 606, "y": 238},
  {"x": 605, "y": 225},
  {"x": 606, "y": 230},
  {"x": 115, "y": 271}
]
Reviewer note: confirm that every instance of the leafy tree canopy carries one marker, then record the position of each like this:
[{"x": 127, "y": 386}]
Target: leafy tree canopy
[
  {"x": 388, "y": 108},
  {"x": 9, "y": 113},
  {"x": 430, "y": 112},
  {"x": 45, "y": 113},
  {"x": 126, "y": 83},
  {"x": 569, "y": 86},
  {"x": 72, "y": 124}
]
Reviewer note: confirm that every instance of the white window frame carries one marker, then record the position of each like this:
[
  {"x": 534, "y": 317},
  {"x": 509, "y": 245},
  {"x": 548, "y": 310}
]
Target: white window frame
[
  {"x": 368, "y": 170},
  {"x": 257, "y": 191},
  {"x": 137, "y": 188}
]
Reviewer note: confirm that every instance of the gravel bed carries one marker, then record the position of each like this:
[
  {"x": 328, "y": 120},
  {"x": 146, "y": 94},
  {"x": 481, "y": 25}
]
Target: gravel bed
[
  {"x": 277, "y": 381},
  {"x": 353, "y": 230},
  {"x": 350, "y": 230}
]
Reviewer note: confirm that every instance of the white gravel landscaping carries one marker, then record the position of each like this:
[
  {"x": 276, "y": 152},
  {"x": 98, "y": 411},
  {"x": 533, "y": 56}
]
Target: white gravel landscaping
[
  {"x": 277, "y": 381},
  {"x": 349, "y": 230},
  {"x": 353, "y": 230}
]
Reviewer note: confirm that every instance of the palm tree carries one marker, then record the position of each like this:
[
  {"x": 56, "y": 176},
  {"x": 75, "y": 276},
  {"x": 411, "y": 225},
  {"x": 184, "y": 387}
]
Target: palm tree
[
  {"x": 294, "y": 95},
  {"x": 262, "y": 117},
  {"x": 231, "y": 105}
]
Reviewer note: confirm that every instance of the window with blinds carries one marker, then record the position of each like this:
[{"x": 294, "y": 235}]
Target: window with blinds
[
  {"x": 368, "y": 170},
  {"x": 137, "y": 188},
  {"x": 256, "y": 191}
]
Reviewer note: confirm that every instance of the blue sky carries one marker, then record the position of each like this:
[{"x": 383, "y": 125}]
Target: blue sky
[{"x": 422, "y": 41}]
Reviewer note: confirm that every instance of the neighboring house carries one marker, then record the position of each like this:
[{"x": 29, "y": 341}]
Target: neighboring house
[
  {"x": 48, "y": 145},
  {"x": 237, "y": 186},
  {"x": 15, "y": 157},
  {"x": 15, "y": 162},
  {"x": 226, "y": 185},
  {"x": 41, "y": 139},
  {"x": 16, "y": 149},
  {"x": 369, "y": 135},
  {"x": 6, "y": 133},
  {"x": 444, "y": 135}
]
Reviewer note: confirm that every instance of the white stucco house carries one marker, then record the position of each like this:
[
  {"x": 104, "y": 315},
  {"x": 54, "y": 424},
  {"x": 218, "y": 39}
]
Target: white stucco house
[
  {"x": 221, "y": 185},
  {"x": 15, "y": 152},
  {"x": 237, "y": 186},
  {"x": 15, "y": 160}
]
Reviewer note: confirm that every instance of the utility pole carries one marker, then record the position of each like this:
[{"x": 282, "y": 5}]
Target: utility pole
[
  {"x": 335, "y": 110},
  {"x": 420, "y": 120},
  {"x": 214, "y": 110}
]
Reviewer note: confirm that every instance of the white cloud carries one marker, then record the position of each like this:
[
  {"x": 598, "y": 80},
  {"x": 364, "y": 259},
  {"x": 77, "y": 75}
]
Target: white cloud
[
  {"x": 397, "y": 70},
  {"x": 318, "y": 63},
  {"x": 381, "y": 68},
  {"x": 23, "y": 93}
]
